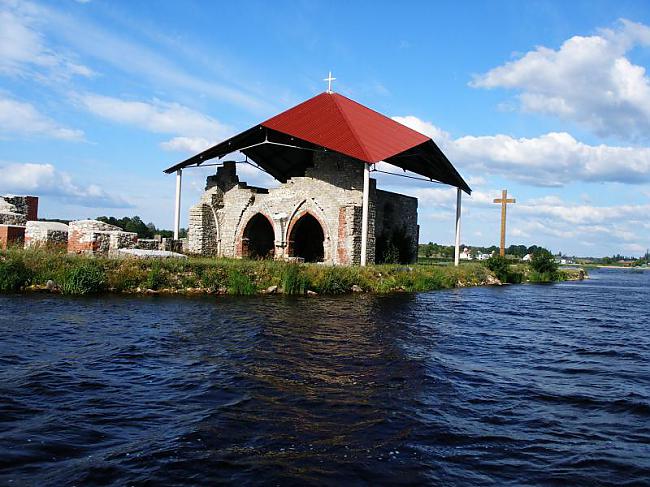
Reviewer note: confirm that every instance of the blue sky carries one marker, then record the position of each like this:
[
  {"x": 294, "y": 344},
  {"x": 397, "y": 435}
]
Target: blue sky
[{"x": 548, "y": 99}]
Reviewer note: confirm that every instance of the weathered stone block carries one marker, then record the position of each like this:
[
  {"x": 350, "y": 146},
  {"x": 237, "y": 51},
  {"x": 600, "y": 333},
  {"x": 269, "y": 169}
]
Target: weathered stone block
[
  {"x": 46, "y": 234},
  {"x": 95, "y": 237},
  {"x": 148, "y": 244}
]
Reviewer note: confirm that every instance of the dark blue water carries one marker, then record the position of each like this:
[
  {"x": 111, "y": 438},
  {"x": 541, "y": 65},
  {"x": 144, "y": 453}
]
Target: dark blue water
[{"x": 512, "y": 385}]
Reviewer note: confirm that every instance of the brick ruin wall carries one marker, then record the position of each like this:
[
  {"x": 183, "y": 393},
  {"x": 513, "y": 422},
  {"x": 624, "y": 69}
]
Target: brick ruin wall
[
  {"x": 330, "y": 191},
  {"x": 11, "y": 235}
]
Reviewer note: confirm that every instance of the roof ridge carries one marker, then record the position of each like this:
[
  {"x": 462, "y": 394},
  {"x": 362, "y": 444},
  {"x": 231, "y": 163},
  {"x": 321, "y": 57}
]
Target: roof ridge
[
  {"x": 351, "y": 128},
  {"x": 382, "y": 115}
]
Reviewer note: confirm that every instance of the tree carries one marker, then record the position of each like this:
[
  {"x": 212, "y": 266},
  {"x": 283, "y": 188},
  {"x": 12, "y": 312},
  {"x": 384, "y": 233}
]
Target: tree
[
  {"x": 500, "y": 266},
  {"x": 543, "y": 262},
  {"x": 136, "y": 225}
]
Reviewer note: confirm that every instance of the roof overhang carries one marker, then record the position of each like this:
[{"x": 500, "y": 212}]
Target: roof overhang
[{"x": 283, "y": 146}]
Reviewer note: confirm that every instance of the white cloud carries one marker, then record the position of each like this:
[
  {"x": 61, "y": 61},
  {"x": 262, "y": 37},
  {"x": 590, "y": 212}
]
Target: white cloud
[
  {"x": 635, "y": 248},
  {"x": 157, "y": 116},
  {"x": 195, "y": 131},
  {"x": 24, "y": 52},
  {"x": 588, "y": 80},
  {"x": 552, "y": 159},
  {"x": 585, "y": 214},
  {"x": 44, "y": 179},
  {"x": 119, "y": 50},
  {"x": 19, "y": 118},
  {"x": 188, "y": 144},
  {"x": 558, "y": 223}
]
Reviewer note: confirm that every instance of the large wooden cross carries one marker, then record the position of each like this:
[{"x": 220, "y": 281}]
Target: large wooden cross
[{"x": 504, "y": 203}]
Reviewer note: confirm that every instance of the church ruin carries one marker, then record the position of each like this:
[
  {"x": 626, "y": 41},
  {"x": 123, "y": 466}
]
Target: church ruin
[{"x": 327, "y": 208}]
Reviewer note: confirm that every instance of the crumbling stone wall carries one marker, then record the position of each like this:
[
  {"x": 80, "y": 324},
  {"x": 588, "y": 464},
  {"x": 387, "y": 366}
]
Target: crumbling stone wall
[
  {"x": 46, "y": 234},
  {"x": 331, "y": 191},
  {"x": 17, "y": 210},
  {"x": 95, "y": 237},
  {"x": 148, "y": 244}
]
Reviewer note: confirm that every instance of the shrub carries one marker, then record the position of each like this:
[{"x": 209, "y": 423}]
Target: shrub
[
  {"x": 87, "y": 278},
  {"x": 515, "y": 277},
  {"x": 213, "y": 278},
  {"x": 14, "y": 275},
  {"x": 543, "y": 262},
  {"x": 500, "y": 266},
  {"x": 334, "y": 280},
  {"x": 128, "y": 275},
  {"x": 156, "y": 278}
]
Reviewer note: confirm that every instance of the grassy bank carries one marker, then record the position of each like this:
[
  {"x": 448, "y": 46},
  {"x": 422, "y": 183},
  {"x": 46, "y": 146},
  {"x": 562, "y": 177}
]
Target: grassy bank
[{"x": 79, "y": 275}]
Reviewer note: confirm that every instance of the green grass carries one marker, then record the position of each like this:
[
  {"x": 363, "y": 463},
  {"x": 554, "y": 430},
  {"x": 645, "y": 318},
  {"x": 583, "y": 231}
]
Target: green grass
[
  {"x": 81, "y": 275},
  {"x": 87, "y": 278}
]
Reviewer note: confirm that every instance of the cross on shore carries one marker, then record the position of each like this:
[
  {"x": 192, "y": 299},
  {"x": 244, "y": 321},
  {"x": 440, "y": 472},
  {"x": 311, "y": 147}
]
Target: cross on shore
[{"x": 504, "y": 203}]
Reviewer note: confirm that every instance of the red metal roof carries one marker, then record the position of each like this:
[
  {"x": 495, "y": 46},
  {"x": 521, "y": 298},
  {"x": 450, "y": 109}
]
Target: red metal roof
[
  {"x": 283, "y": 145},
  {"x": 337, "y": 123}
]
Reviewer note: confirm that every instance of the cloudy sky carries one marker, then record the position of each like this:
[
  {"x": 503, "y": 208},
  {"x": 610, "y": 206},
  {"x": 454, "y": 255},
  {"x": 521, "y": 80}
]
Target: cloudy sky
[{"x": 550, "y": 100}]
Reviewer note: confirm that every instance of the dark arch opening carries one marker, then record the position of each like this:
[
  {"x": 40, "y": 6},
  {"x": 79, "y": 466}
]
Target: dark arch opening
[
  {"x": 258, "y": 238},
  {"x": 306, "y": 239}
]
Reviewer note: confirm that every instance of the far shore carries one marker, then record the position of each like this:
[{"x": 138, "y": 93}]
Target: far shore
[{"x": 630, "y": 268}]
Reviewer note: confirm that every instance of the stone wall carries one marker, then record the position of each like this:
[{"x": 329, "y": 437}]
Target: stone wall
[
  {"x": 17, "y": 210},
  {"x": 46, "y": 234},
  {"x": 95, "y": 237},
  {"x": 396, "y": 211},
  {"x": 330, "y": 191},
  {"x": 148, "y": 244}
]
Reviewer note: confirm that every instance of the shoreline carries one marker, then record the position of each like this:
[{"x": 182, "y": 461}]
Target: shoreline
[
  {"x": 631, "y": 268},
  {"x": 41, "y": 271}
]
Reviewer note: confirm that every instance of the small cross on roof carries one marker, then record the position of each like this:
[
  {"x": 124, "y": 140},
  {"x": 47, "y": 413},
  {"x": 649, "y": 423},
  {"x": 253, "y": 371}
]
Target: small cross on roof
[{"x": 329, "y": 80}]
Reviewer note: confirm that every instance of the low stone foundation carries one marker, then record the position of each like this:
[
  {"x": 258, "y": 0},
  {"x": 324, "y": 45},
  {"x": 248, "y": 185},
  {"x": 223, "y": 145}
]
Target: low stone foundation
[
  {"x": 148, "y": 254},
  {"x": 171, "y": 245}
]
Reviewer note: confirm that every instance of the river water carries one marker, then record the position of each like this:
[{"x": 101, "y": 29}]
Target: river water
[{"x": 527, "y": 384}]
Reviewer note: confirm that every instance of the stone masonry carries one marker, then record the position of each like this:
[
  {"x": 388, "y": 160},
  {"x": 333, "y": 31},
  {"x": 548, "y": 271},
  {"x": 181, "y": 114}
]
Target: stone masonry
[
  {"x": 325, "y": 205},
  {"x": 15, "y": 212},
  {"x": 18, "y": 210},
  {"x": 95, "y": 237},
  {"x": 46, "y": 234}
]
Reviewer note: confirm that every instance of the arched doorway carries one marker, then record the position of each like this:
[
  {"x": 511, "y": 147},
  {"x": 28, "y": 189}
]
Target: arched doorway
[
  {"x": 258, "y": 238},
  {"x": 306, "y": 239}
]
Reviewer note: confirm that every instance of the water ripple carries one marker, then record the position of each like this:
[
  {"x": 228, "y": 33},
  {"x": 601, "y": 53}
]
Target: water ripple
[{"x": 481, "y": 386}]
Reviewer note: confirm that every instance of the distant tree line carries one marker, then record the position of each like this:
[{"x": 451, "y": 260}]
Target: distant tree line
[
  {"x": 434, "y": 250},
  {"x": 136, "y": 225}
]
